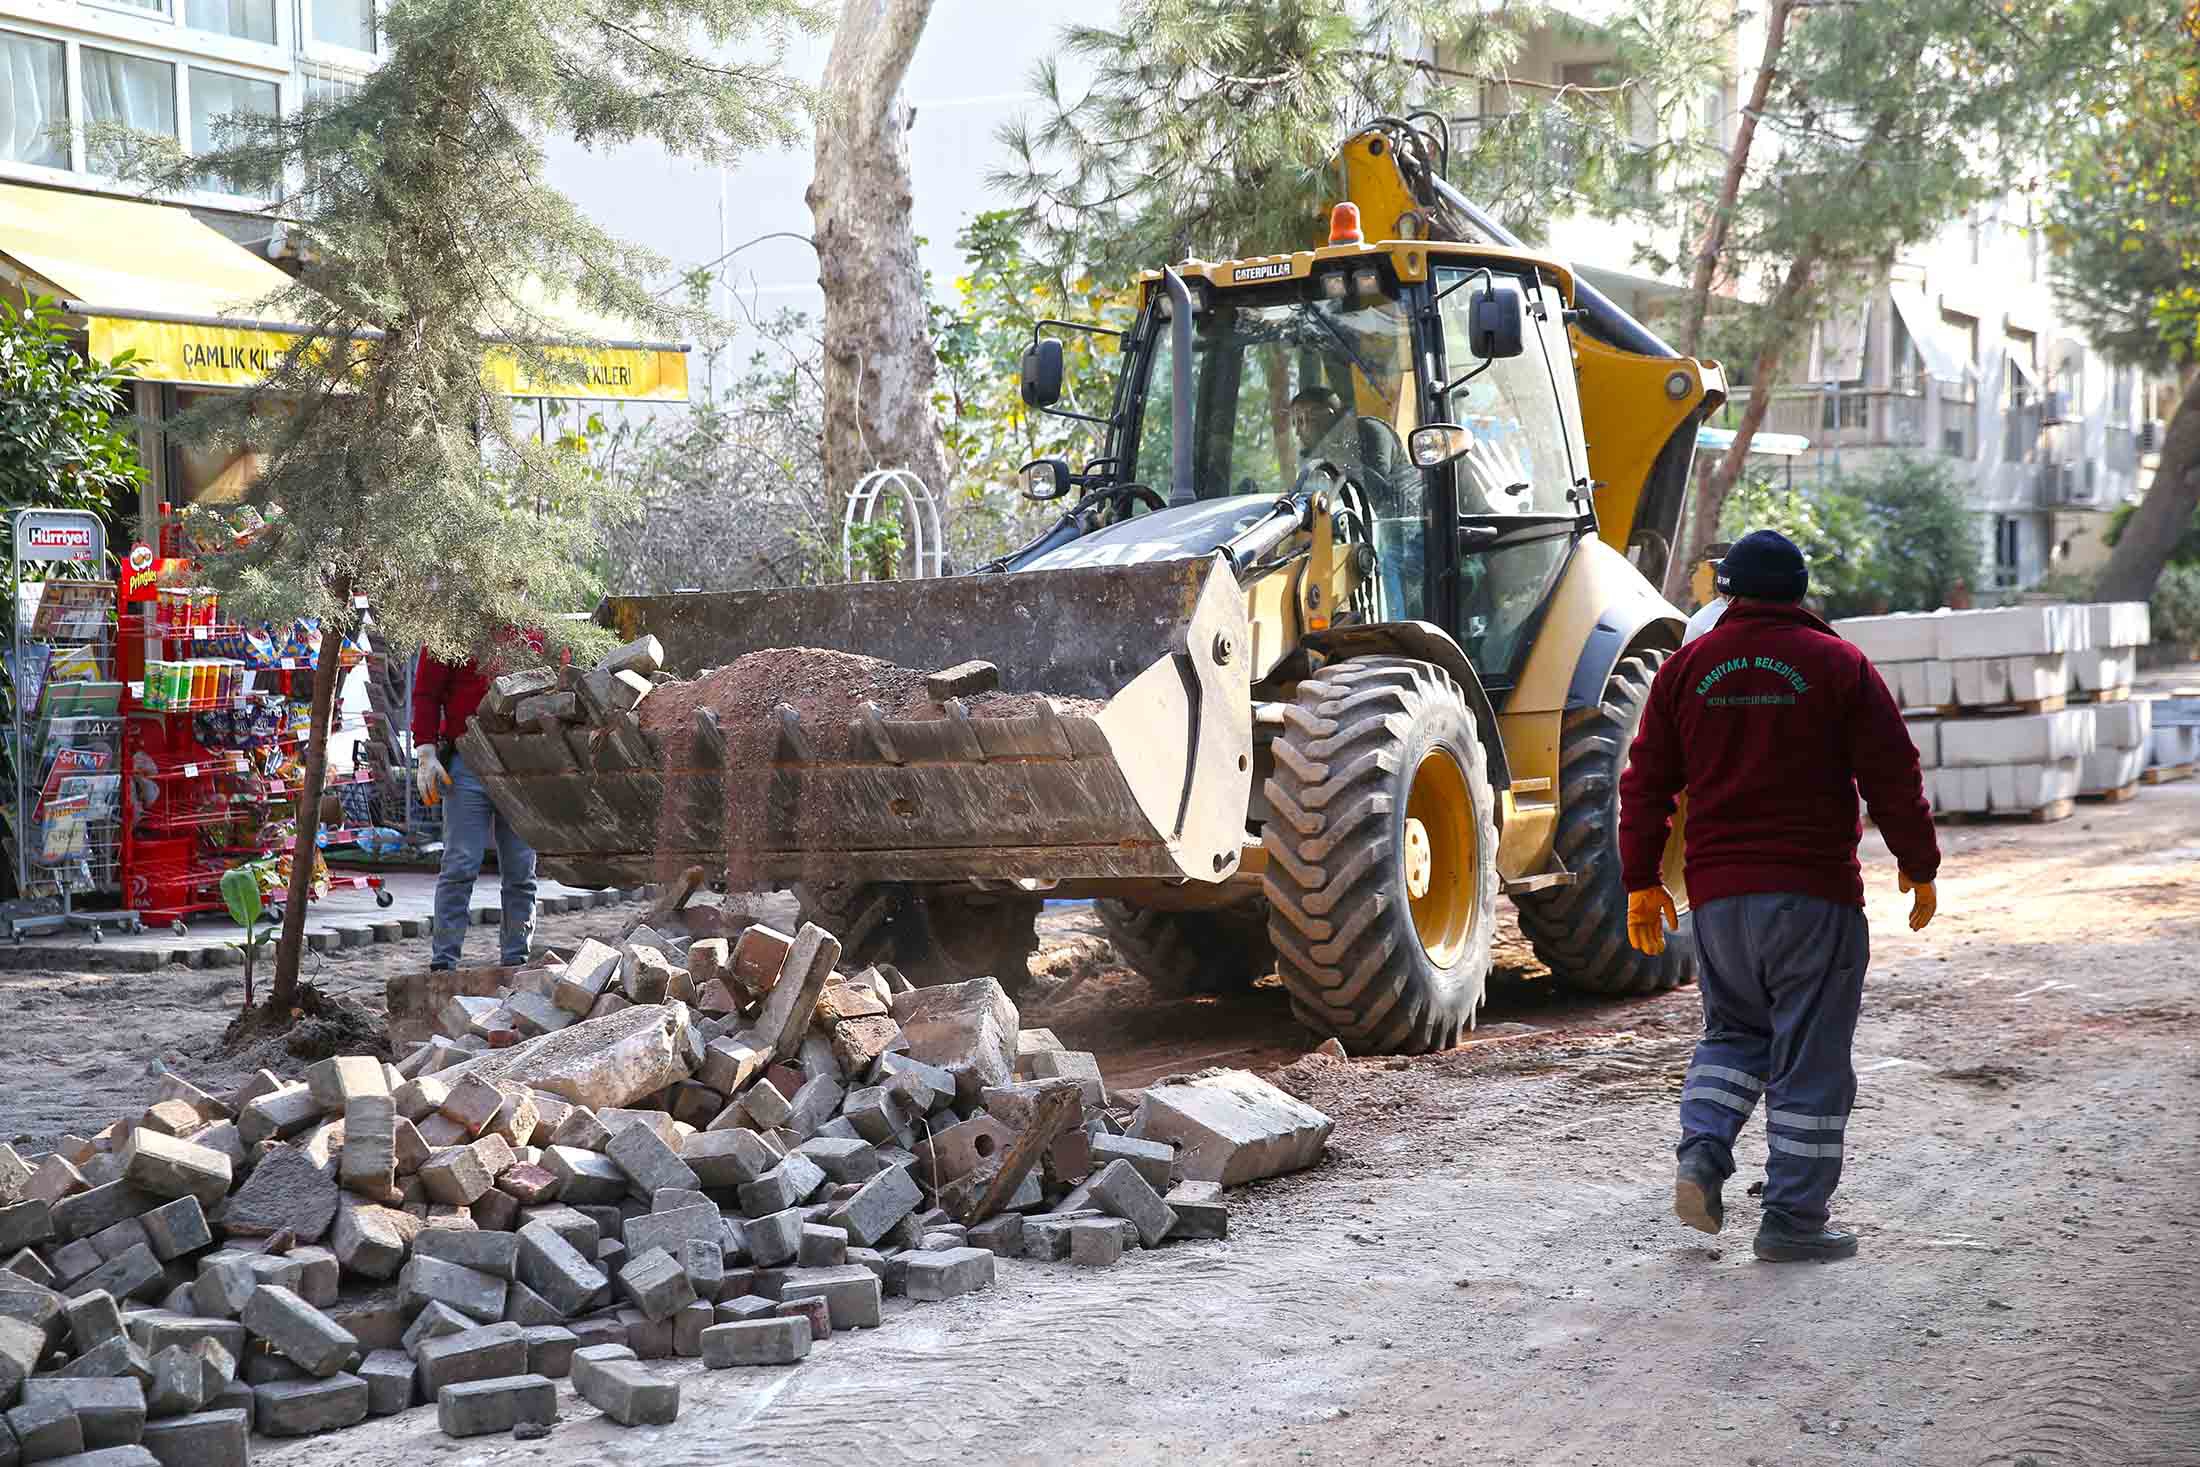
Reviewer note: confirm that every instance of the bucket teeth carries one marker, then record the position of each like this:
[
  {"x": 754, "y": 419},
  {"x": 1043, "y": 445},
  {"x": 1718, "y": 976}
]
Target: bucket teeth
[
  {"x": 793, "y": 743},
  {"x": 869, "y": 727}
]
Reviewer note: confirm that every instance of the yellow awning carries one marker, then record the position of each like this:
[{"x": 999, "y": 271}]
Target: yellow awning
[{"x": 151, "y": 279}]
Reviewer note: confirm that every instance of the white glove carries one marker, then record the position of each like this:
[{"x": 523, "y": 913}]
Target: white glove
[{"x": 429, "y": 776}]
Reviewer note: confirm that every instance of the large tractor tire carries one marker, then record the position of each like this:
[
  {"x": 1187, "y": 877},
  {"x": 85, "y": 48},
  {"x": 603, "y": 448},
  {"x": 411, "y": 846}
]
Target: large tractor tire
[
  {"x": 1219, "y": 950},
  {"x": 931, "y": 935},
  {"x": 1382, "y": 856},
  {"x": 1580, "y": 931}
]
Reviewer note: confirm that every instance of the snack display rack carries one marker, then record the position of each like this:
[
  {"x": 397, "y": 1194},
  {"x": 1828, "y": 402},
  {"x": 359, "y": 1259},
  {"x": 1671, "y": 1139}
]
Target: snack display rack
[
  {"x": 65, "y": 740},
  {"x": 215, "y": 729}
]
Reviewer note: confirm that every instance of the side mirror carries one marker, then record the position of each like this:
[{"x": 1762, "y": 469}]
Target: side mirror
[
  {"x": 1046, "y": 478},
  {"x": 1496, "y": 323},
  {"x": 1042, "y": 373},
  {"x": 1435, "y": 444}
]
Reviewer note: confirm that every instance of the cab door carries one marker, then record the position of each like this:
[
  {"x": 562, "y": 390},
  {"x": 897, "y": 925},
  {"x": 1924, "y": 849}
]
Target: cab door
[{"x": 1519, "y": 496}]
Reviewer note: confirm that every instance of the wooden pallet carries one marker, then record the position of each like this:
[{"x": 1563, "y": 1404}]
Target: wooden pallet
[
  {"x": 2167, "y": 773},
  {"x": 2112, "y": 797},
  {"x": 2053, "y": 704},
  {"x": 2105, "y": 695},
  {"x": 2046, "y": 814}
]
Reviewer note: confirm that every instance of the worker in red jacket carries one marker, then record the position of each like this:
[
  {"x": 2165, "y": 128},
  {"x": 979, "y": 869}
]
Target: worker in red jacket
[
  {"x": 1772, "y": 724},
  {"x": 444, "y": 698}
]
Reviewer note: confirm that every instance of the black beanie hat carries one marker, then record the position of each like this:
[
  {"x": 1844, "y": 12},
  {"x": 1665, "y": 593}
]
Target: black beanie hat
[{"x": 1764, "y": 564}]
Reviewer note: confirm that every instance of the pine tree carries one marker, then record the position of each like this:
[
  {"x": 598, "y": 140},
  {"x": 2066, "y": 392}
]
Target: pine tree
[
  {"x": 1207, "y": 124},
  {"x": 2126, "y": 225},
  {"x": 431, "y": 243},
  {"x": 1879, "y": 123}
]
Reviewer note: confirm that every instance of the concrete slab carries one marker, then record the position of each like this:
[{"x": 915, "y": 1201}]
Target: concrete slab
[{"x": 2035, "y": 738}]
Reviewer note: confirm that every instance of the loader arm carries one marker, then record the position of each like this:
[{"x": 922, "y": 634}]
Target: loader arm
[{"x": 1641, "y": 401}]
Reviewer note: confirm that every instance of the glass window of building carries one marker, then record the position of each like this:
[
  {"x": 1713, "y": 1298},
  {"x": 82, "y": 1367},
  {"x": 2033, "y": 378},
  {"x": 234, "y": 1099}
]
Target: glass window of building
[
  {"x": 216, "y": 96},
  {"x": 34, "y": 100},
  {"x": 121, "y": 90},
  {"x": 344, "y": 23},
  {"x": 250, "y": 20}
]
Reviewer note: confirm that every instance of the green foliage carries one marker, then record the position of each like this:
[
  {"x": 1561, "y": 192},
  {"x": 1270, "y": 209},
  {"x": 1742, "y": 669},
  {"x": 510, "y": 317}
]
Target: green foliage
[
  {"x": 62, "y": 444},
  {"x": 1885, "y": 122},
  {"x": 875, "y": 548},
  {"x": 2186, "y": 551},
  {"x": 1893, "y": 538},
  {"x": 2174, "y": 608},
  {"x": 241, "y": 895},
  {"x": 1925, "y": 539},
  {"x": 432, "y": 241},
  {"x": 1831, "y": 528},
  {"x": 1207, "y": 124},
  {"x": 2125, "y": 219}
]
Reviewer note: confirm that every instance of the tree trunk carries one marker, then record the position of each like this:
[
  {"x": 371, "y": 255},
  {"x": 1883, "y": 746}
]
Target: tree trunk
[
  {"x": 879, "y": 367},
  {"x": 2143, "y": 549},
  {"x": 1713, "y": 243},
  {"x": 1712, "y": 488},
  {"x": 305, "y": 845}
]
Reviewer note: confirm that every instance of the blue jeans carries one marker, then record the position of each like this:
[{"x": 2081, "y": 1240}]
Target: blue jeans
[
  {"x": 469, "y": 819},
  {"x": 1782, "y": 979}
]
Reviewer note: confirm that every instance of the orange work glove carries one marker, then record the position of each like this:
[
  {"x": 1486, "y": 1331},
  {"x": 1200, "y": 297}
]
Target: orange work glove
[
  {"x": 1923, "y": 904},
  {"x": 1649, "y": 912}
]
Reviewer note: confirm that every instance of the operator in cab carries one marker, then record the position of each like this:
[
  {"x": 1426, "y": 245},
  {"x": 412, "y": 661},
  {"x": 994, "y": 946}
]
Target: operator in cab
[
  {"x": 1772, "y": 725},
  {"x": 1362, "y": 450}
]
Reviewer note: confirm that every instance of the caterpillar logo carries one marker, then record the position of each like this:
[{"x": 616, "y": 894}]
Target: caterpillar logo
[{"x": 1280, "y": 270}]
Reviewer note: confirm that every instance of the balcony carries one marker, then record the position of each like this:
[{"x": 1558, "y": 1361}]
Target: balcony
[{"x": 1869, "y": 417}]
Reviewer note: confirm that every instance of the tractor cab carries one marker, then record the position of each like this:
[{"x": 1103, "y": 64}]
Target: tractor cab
[{"x": 1425, "y": 392}]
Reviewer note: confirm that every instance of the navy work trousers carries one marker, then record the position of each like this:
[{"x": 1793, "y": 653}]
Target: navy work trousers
[{"x": 1782, "y": 978}]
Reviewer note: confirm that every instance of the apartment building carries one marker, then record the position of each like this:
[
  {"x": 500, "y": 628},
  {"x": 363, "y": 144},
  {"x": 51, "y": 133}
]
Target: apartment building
[
  {"x": 167, "y": 67},
  {"x": 1960, "y": 353}
]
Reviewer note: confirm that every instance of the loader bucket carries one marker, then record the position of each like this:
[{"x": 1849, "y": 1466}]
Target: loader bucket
[{"x": 1136, "y": 762}]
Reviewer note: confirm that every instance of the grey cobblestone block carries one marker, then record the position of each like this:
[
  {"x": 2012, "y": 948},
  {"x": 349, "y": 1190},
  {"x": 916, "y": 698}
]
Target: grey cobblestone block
[
  {"x": 657, "y": 1284},
  {"x": 390, "y": 1377},
  {"x": 1121, "y": 1190},
  {"x": 756, "y": 1342},
  {"x": 299, "y": 1332},
  {"x": 552, "y": 1267},
  {"x": 478, "y": 1407},
  {"x": 213, "y": 1438},
  {"x": 304, "y": 1407},
  {"x": 484, "y": 1252},
  {"x": 632, "y": 1396},
  {"x": 110, "y": 1409},
  {"x": 948, "y": 1273},
  {"x": 478, "y": 1295},
  {"x": 550, "y": 1350},
  {"x": 175, "y": 1229},
  {"x": 476, "y": 1354},
  {"x": 851, "y": 1293}
]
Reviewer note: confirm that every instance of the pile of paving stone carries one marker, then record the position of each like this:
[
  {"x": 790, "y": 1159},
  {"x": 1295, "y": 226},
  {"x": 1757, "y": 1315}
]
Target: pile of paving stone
[{"x": 666, "y": 1147}]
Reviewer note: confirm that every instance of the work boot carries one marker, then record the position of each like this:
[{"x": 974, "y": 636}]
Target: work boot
[
  {"x": 1778, "y": 1242},
  {"x": 1696, "y": 1199}
]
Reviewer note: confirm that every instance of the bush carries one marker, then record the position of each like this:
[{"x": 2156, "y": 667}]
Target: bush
[
  {"x": 2174, "y": 608},
  {"x": 1925, "y": 538},
  {"x": 1831, "y": 528}
]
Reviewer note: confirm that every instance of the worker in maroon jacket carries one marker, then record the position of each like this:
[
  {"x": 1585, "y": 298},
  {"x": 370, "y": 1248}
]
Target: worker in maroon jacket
[
  {"x": 1771, "y": 724},
  {"x": 444, "y": 698}
]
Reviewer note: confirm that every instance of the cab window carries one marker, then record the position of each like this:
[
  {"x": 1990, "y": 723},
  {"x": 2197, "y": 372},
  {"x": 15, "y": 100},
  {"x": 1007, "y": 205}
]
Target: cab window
[{"x": 1520, "y": 462}]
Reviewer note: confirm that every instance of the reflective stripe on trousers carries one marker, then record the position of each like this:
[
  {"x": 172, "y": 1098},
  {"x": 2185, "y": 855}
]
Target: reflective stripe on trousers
[{"x": 1782, "y": 980}]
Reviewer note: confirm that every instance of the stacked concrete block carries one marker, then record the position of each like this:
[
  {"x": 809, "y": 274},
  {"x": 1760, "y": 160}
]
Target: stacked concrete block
[
  {"x": 2110, "y": 663},
  {"x": 2121, "y": 733},
  {"x": 2036, "y": 738}
]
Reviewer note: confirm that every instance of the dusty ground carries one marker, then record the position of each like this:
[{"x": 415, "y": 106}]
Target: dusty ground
[{"x": 1485, "y": 1269}]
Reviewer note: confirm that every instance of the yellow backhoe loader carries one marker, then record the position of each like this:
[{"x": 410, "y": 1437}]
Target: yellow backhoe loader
[{"x": 1345, "y": 633}]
